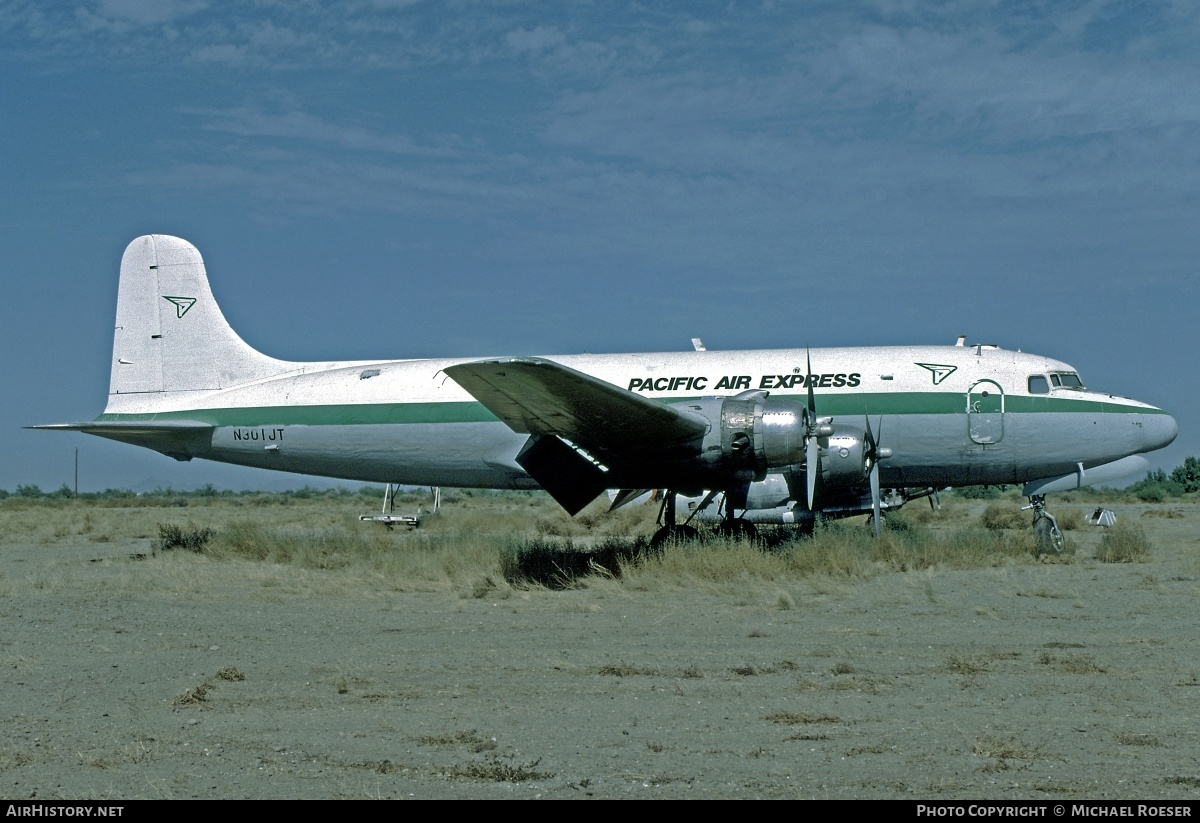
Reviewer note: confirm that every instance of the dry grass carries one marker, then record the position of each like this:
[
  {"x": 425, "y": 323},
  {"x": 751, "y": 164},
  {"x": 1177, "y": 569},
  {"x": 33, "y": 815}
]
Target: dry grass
[
  {"x": 193, "y": 696},
  {"x": 489, "y": 545},
  {"x": 1004, "y": 515},
  {"x": 1005, "y": 748},
  {"x": 794, "y": 718},
  {"x": 471, "y": 740},
  {"x": 1125, "y": 542},
  {"x": 1072, "y": 663},
  {"x": 187, "y": 537},
  {"x": 11, "y": 760},
  {"x": 963, "y": 664},
  {"x": 845, "y": 651},
  {"x": 843, "y": 549},
  {"x": 1135, "y": 739},
  {"x": 434, "y": 561},
  {"x": 1070, "y": 519},
  {"x": 627, "y": 670},
  {"x": 500, "y": 770},
  {"x": 1166, "y": 514}
]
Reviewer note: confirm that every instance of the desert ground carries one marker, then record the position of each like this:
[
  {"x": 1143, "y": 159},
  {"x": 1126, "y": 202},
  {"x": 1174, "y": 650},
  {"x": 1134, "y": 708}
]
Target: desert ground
[{"x": 128, "y": 672}]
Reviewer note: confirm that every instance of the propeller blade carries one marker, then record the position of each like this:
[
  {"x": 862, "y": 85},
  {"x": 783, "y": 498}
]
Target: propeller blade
[
  {"x": 812, "y": 465},
  {"x": 875, "y": 509},
  {"x": 875, "y": 453},
  {"x": 812, "y": 449},
  {"x": 812, "y": 401}
]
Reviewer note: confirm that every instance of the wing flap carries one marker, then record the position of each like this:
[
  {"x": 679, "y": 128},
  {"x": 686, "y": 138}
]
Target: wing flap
[{"x": 540, "y": 397}]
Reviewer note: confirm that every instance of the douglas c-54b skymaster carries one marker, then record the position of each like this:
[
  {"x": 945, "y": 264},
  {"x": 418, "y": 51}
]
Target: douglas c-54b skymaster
[{"x": 764, "y": 436}]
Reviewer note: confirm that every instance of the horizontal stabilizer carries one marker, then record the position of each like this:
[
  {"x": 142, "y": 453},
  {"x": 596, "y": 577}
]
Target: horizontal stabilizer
[
  {"x": 1106, "y": 473},
  {"x": 174, "y": 438}
]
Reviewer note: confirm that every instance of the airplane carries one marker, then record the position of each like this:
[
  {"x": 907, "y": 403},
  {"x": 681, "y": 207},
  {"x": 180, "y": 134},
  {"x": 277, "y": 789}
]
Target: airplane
[{"x": 776, "y": 436}]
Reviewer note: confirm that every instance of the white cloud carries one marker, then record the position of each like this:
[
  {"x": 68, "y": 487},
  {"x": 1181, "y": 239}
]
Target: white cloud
[
  {"x": 149, "y": 12},
  {"x": 226, "y": 53},
  {"x": 536, "y": 41},
  {"x": 300, "y": 125}
]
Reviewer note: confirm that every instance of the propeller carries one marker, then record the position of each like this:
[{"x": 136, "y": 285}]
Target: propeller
[
  {"x": 875, "y": 453},
  {"x": 814, "y": 429},
  {"x": 812, "y": 449}
]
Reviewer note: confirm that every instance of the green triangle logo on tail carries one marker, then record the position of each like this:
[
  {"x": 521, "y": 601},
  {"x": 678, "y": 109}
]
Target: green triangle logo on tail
[
  {"x": 182, "y": 304},
  {"x": 938, "y": 371}
]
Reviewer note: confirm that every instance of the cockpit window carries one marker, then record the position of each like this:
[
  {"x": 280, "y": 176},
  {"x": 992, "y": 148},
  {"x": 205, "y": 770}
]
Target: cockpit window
[
  {"x": 1038, "y": 384},
  {"x": 1067, "y": 380}
]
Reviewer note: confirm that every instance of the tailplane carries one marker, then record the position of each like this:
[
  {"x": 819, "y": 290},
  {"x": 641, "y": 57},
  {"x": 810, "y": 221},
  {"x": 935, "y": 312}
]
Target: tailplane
[{"x": 170, "y": 334}]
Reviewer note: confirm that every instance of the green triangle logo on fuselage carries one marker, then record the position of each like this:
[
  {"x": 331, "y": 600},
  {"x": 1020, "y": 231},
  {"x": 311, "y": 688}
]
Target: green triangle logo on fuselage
[{"x": 938, "y": 371}]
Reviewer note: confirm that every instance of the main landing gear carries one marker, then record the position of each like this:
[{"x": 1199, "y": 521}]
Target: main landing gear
[
  {"x": 669, "y": 531},
  {"x": 1050, "y": 538},
  {"x": 672, "y": 531}
]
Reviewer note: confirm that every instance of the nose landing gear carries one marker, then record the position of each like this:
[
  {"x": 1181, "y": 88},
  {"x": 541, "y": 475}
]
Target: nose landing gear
[{"x": 1050, "y": 538}]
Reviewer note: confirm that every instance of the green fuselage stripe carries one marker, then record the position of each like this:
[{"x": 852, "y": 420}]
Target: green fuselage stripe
[{"x": 839, "y": 405}]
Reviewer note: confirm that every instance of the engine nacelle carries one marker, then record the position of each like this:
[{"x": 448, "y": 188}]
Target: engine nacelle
[
  {"x": 844, "y": 457},
  {"x": 750, "y": 433}
]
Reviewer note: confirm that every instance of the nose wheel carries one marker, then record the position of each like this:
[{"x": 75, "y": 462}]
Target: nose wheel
[{"x": 1050, "y": 540}]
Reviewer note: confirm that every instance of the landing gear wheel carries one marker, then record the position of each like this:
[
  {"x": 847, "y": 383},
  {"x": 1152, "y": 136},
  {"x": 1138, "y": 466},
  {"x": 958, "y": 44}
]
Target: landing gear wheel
[
  {"x": 1049, "y": 539},
  {"x": 737, "y": 529},
  {"x": 672, "y": 534}
]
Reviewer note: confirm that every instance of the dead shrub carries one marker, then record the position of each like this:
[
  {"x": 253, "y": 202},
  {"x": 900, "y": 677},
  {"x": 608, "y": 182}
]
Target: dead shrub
[
  {"x": 191, "y": 538},
  {"x": 1123, "y": 543},
  {"x": 1000, "y": 516},
  {"x": 1070, "y": 520}
]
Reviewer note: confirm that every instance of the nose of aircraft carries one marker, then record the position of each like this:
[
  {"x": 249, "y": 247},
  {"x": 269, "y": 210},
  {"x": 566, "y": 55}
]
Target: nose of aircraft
[{"x": 1158, "y": 431}]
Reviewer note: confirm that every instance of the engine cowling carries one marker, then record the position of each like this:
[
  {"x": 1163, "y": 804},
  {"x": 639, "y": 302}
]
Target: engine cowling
[
  {"x": 751, "y": 433},
  {"x": 844, "y": 457}
]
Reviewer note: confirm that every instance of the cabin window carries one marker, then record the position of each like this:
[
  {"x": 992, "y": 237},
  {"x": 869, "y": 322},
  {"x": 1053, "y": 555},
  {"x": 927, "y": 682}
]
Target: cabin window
[{"x": 1038, "y": 384}]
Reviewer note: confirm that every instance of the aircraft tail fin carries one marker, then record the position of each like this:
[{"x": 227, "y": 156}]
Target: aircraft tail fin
[{"x": 170, "y": 333}]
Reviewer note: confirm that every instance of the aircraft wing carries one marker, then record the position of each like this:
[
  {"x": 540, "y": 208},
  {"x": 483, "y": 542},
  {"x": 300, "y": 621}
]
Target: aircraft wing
[{"x": 536, "y": 396}]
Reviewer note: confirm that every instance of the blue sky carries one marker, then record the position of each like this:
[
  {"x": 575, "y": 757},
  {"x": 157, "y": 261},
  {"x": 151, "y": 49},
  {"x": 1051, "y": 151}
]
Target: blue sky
[{"x": 403, "y": 179}]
